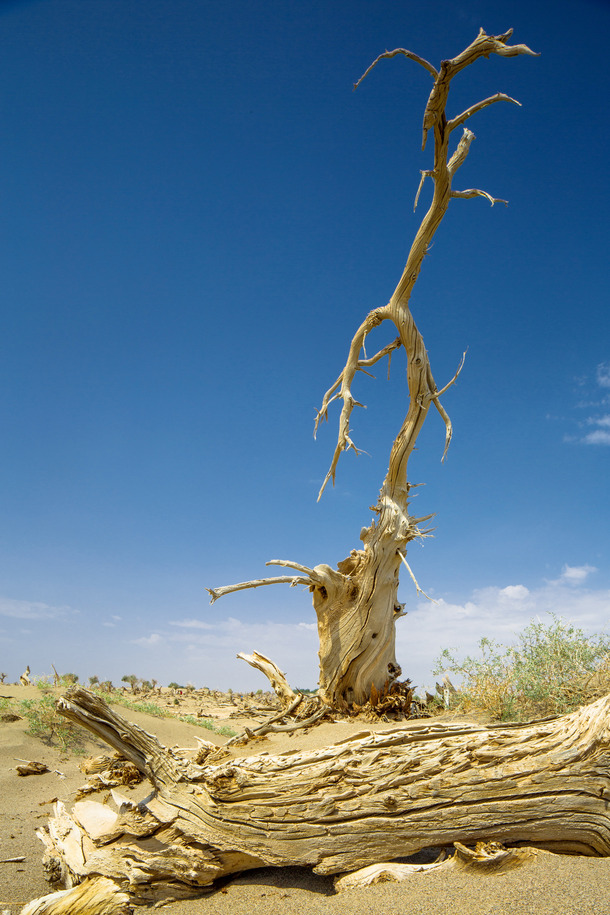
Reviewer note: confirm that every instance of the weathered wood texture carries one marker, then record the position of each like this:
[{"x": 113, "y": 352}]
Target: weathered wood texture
[
  {"x": 356, "y": 604},
  {"x": 94, "y": 896},
  {"x": 371, "y": 798}
]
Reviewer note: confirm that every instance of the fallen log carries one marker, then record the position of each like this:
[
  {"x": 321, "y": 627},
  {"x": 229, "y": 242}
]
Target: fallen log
[{"x": 373, "y": 797}]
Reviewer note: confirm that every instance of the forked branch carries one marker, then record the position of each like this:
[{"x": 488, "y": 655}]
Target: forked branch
[{"x": 422, "y": 389}]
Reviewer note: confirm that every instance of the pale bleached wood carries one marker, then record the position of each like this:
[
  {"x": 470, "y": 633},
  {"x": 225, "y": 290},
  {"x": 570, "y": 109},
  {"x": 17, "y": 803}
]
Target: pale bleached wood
[
  {"x": 371, "y": 798},
  {"x": 356, "y": 604},
  {"x": 489, "y": 857},
  {"x": 94, "y": 896},
  {"x": 287, "y": 696}
]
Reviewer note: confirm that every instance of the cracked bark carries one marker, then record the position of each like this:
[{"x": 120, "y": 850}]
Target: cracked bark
[{"x": 367, "y": 799}]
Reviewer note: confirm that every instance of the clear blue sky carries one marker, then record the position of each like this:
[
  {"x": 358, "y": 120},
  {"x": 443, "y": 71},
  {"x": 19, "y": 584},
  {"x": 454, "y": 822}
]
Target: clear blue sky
[{"x": 197, "y": 211}]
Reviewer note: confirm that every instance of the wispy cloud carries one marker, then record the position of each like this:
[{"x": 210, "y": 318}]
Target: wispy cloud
[
  {"x": 499, "y": 614},
  {"x": 596, "y": 403},
  {"x": 205, "y": 652},
  {"x": 573, "y": 575},
  {"x": 603, "y": 374},
  {"x": 32, "y": 610},
  {"x": 148, "y": 641}
]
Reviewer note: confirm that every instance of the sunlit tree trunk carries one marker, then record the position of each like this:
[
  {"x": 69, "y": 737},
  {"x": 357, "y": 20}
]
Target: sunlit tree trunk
[{"x": 357, "y": 603}]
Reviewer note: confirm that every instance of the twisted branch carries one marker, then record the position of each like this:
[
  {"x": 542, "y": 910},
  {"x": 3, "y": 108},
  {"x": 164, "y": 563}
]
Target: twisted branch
[
  {"x": 475, "y": 192},
  {"x": 387, "y": 54},
  {"x": 421, "y": 383},
  {"x": 498, "y": 97}
]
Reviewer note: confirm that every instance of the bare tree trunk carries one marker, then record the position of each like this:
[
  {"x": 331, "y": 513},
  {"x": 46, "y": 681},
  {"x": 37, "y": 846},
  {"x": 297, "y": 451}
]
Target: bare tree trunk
[
  {"x": 368, "y": 799},
  {"x": 357, "y": 604}
]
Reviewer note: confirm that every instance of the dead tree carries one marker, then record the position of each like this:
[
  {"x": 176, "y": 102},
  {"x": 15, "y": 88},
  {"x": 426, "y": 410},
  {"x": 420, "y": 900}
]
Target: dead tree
[
  {"x": 365, "y": 800},
  {"x": 375, "y": 796},
  {"x": 357, "y": 604}
]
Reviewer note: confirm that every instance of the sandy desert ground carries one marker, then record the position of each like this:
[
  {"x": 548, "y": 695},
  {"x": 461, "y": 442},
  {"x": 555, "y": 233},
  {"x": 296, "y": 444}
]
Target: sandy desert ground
[{"x": 551, "y": 885}]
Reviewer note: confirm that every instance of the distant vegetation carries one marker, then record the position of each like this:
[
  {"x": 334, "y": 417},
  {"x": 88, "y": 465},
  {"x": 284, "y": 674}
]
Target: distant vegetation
[
  {"x": 52, "y": 728},
  {"x": 554, "y": 668}
]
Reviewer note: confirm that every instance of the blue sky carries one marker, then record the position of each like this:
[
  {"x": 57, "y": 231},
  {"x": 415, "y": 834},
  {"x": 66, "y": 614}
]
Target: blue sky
[{"x": 197, "y": 211}]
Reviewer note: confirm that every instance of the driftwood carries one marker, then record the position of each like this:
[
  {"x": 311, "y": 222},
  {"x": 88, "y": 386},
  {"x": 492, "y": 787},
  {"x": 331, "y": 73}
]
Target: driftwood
[{"x": 371, "y": 798}]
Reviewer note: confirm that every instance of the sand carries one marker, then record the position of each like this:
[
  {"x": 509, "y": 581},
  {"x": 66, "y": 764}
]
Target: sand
[{"x": 551, "y": 885}]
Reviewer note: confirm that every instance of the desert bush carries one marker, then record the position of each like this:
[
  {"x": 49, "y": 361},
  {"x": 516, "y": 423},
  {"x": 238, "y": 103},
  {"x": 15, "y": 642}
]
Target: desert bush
[
  {"x": 553, "y": 669},
  {"x": 50, "y": 727},
  {"x": 131, "y": 679},
  {"x": 44, "y": 683},
  {"x": 68, "y": 679}
]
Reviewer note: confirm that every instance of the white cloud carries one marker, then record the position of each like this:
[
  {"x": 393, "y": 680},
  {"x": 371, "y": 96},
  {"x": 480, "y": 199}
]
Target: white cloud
[
  {"x": 595, "y": 401},
  {"x": 498, "y": 614},
  {"x": 600, "y": 421},
  {"x": 603, "y": 374},
  {"x": 599, "y": 437},
  {"x": 205, "y": 652},
  {"x": 515, "y": 592},
  {"x": 31, "y": 610},
  {"x": 574, "y": 575},
  {"x": 149, "y": 640}
]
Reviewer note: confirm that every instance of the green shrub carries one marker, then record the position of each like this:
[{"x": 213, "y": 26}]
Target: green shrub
[
  {"x": 209, "y": 725},
  {"x": 553, "y": 669},
  {"x": 131, "y": 679},
  {"x": 147, "y": 708},
  {"x": 68, "y": 679},
  {"x": 50, "y": 727},
  {"x": 44, "y": 683}
]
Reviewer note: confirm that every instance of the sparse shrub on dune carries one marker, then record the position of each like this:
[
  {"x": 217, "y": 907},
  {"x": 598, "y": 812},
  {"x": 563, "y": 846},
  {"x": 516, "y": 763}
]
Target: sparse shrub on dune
[
  {"x": 554, "y": 668},
  {"x": 48, "y": 726}
]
